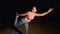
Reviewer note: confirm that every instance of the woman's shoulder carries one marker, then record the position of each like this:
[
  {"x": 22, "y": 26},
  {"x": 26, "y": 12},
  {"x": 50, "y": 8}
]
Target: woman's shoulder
[{"x": 29, "y": 12}]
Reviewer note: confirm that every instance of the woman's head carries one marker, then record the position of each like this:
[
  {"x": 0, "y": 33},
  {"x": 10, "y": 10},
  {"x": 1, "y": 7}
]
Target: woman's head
[{"x": 34, "y": 9}]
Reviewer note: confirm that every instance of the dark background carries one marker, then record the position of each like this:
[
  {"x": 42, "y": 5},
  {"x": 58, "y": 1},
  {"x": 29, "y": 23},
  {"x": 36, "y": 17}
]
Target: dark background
[
  {"x": 52, "y": 18},
  {"x": 9, "y": 8}
]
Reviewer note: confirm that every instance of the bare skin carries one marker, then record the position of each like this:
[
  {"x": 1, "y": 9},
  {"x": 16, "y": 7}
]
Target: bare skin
[{"x": 32, "y": 14}]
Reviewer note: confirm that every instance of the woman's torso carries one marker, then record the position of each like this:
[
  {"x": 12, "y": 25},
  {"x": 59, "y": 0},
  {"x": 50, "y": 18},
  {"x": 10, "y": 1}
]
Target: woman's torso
[{"x": 30, "y": 16}]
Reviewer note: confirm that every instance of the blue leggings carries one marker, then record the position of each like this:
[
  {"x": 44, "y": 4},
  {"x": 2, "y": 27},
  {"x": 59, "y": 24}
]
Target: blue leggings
[{"x": 21, "y": 22}]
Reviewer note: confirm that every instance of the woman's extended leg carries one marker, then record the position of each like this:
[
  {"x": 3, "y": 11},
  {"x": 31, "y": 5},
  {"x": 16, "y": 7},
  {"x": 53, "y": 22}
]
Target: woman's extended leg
[{"x": 16, "y": 24}]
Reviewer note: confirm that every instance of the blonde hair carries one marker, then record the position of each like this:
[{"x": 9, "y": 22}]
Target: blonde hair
[{"x": 34, "y": 7}]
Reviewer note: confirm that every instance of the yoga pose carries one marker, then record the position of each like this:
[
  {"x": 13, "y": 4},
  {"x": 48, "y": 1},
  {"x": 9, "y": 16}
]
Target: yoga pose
[{"x": 28, "y": 17}]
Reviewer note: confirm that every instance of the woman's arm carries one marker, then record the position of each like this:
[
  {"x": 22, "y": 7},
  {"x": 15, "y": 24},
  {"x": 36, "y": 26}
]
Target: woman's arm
[{"x": 43, "y": 14}]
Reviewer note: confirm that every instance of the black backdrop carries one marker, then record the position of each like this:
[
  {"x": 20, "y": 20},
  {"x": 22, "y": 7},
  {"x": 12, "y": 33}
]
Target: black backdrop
[
  {"x": 23, "y": 6},
  {"x": 9, "y": 8}
]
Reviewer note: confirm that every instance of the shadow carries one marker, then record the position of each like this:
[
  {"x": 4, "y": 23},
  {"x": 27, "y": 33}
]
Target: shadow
[{"x": 15, "y": 29}]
